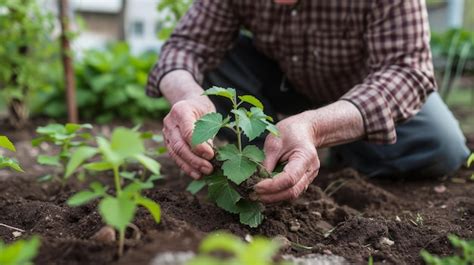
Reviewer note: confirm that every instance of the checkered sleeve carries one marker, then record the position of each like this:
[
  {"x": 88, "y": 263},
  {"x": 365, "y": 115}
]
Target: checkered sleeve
[
  {"x": 199, "y": 41},
  {"x": 401, "y": 68}
]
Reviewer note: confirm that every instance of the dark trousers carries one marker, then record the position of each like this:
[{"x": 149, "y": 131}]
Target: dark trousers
[{"x": 429, "y": 144}]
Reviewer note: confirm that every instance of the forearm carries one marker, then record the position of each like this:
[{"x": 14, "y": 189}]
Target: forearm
[
  {"x": 337, "y": 123},
  {"x": 179, "y": 85}
]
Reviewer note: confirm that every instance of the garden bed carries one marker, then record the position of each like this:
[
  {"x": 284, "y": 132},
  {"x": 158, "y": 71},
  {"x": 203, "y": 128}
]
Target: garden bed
[{"x": 390, "y": 220}]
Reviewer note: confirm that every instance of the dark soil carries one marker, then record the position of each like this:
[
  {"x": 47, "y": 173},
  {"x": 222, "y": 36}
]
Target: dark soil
[{"x": 342, "y": 213}]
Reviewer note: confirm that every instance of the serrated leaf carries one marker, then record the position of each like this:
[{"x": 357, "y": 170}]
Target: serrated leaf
[
  {"x": 250, "y": 213},
  {"x": 151, "y": 206},
  {"x": 222, "y": 193},
  {"x": 80, "y": 155},
  {"x": 253, "y": 153},
  {"x": 149, "y": 163},
  {"x": 6, "y": 143},
  {"x": 195, "y": 186},
  {"x": 49, "y": 160},
  {"x": 207, "y": 128},
  {"x": 252, "y": 100},
  {"x": 252, "y": 126},
  {"x": 236, "y": 166},
  {"x": 223, "y": 92},
  {"x": 11, "y": 163},
  {"x": 117, "y": 212}
]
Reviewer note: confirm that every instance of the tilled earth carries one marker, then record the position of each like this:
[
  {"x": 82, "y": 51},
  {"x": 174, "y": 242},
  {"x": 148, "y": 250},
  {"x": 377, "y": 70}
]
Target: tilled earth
[{"x": 342, "y": 213}]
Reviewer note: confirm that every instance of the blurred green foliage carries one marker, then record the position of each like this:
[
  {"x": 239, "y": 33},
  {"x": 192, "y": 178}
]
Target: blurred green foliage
[
  {"x": 453, "y": 41},
  {"x": 173, "y": 11},
  {"x": 110, "y": 85}
]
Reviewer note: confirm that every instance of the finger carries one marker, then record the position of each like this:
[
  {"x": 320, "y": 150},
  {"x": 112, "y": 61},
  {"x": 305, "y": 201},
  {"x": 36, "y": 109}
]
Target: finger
[
  {"x": 288, "y": 194},
  {"x": 289, "y": 177},
  {"x": 184, "y": 166},
  {"x": 182, "y": 149},
  {"x": 204, "y": 150},
  {"x": 272, "y": 148}
]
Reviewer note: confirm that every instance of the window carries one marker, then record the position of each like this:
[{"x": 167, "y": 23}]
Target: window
[{"x": 138, "y": 29}]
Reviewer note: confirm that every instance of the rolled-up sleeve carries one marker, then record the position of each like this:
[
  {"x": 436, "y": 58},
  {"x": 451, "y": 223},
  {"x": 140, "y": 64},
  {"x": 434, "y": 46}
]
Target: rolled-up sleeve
[
  {"x": 401, "y": 75},
  {"x": 199, "y": 41}
]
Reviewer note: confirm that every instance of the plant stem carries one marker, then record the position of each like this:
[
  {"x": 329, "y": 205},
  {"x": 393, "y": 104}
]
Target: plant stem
[
  {"x": 237, "y": 128},
  {"x": 118, "y": 187},
  {"x": 121, "y": 242}
]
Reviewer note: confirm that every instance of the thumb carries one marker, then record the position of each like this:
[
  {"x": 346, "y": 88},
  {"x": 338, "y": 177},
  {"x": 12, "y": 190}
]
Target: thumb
[{"x": 203, "y": 150}]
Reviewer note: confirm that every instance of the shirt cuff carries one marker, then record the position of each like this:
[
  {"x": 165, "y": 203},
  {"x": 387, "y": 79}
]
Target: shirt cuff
[{"x": 376, "y": 113}]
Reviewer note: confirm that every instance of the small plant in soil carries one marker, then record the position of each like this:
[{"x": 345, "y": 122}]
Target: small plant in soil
[
  {"x": 223, "y": 248},
  {"x": 67, "y": 137},
  {"x": 7, "y": 161},
  {"x": 237, "y": 167},
  {"x": 470, "y": 161},
  {"x": 21, "y": 252},
  {"x": 466, "y": 258},
  {"x": 117, "y": 208}
]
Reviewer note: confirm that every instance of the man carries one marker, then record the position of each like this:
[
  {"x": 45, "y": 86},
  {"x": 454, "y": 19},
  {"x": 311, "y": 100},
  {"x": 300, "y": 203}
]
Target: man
[{"x": 356, "y": 75}]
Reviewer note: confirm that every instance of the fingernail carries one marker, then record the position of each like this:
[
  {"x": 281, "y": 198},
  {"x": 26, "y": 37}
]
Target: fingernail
[
  {"x": 207, "y": 156},
  {"x": 205, "y": 170},
  {"x": 195, "y": 175}
]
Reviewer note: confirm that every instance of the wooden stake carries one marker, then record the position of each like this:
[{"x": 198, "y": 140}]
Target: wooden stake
[{"x": 68, "y": 66}]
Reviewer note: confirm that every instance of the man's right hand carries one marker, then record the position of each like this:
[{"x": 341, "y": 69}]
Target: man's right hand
[{"x": 188, "y": 105}]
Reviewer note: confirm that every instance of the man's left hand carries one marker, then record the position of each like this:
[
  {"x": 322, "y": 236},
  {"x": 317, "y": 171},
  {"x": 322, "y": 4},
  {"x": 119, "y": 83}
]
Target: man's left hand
[{"x": 295, "y": 144}]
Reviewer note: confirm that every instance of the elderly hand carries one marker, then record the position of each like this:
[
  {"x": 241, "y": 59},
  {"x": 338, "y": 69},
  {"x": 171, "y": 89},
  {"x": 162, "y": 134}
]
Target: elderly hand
[
  {"x": 296, "y": 144},
  {"x": 177, "y": 132}
]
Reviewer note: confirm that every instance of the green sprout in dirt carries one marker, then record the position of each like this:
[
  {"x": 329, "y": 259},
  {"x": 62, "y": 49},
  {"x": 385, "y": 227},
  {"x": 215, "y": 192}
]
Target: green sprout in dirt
[
  {"x": 67, "y": 137},
  {"x": 238, "y": 167},
  {"x": 117, "y": 210},
  {"x": 7, "y": 161},
  {"x": 470, "y": 161},
  {"x": 466, "y": 258},
  {"x": 260, "y": 251},
  {"x": 21, "y": 252}
]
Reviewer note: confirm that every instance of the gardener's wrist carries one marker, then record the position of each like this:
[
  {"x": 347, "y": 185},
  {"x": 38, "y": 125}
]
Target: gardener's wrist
[{"x": 180, "y": 85}]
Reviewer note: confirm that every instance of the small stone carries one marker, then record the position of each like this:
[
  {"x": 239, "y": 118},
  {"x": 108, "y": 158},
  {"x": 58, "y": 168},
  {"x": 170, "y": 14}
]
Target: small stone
[
  {"x": 105, "y": 234},
  {"x": 397, "y": 218},
  {"x": 283, "y": 241},
  {"x": 386, "y": 241},
  {"x": 248, "y": 238},
  {"x": 444, "y": 206},
  {"x": 17, "y": 233},
  {"x": 327, "y": 252},
  {"x": 317, "y": 214},
  {"x": 294, "y": 225},
  {"x": 440, "y": 188}
]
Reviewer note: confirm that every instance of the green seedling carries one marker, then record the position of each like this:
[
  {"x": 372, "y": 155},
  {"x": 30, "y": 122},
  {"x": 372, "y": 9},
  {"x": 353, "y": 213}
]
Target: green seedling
[
  {"x": 237, "y": 167},
  {"x": 470, "y": 161},
  {"x": 117, "y": 210},
  {"x": 7, "y": 161},
  {"x": 466, "y": 258},
  {"x": 260, "y": 251},
  {"x": 68, "y": 137},
  {"x": 21, "y": 252}
]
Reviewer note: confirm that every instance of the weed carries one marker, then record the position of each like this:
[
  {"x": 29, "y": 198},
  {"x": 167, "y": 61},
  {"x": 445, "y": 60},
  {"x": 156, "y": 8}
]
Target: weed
[
  {"x": 21, "y": 252},
  {"x": 237, "y": 167},
  {"x": 259, "y": 251},
  {"x": 117, "y": 210},
  {"x": 467, "y": 257}
]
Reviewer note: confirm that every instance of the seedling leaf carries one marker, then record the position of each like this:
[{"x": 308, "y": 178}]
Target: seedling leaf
[
  {"x": 250, "y": 213},
  {"x": 224, "y": 242},
  {"x": 96, "y": 191},
  {"x": 236, "y": 167},
  {"x": 196, "y": 185},
  {"x": 98, "y": 166},
  {"x": 21, "y": 252},
  {"x": 49, "y": 160},
  {"x": 6, "y": 143},
  {"x": 126, "y": 143},
  {"x": 149, "y": 163},
  {"x": 78, "y": 157},
  {"x": 253, "y": 126},
  {"x": 10, "y": 162},
  {"x": 207, "y": 128},
  {"x": 222, "y": 193},
  {"x": 151, "y": 206},
  {"x": 223, "y": 92},
  {"x": 117, "y": 212},
  {"x": 253, "y": 153},
  {"x": 252, "y": 100}
]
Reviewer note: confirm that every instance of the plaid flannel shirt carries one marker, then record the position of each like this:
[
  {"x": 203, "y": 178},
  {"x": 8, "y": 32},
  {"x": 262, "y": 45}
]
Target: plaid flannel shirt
[{"x": 372, "y": 53}]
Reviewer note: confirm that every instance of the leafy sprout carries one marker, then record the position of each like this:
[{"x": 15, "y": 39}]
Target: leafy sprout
[
  {"x": 68, "y": 137},
  {"x": 21, "y": 252},
  {"x": 466, "y": 258},
  {"x": 470, "y": 161},
  {"x": 260, "y": 251},
  {"x": 7, "y": 161},
  {"x": 239, "y": 162},
  {"x": 118, "y": 211}
]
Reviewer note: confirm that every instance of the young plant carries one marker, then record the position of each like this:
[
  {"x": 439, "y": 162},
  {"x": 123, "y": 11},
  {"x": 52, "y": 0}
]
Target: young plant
[
  {"x": 67, "y": 137},
  {"x": 470, "y": 161},
  {"x": 467, "y": 257},
  {"x": 22, "y": 252},
  {"x": 260, "y": 251},
  {"x": 7, "y": 161},
  {"x": 237, "y": 167},
  {"x": 117, "y": 210}
]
